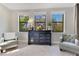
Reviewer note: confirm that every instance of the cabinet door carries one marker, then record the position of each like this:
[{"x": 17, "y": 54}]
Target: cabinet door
[
  {"x": 40, "y": 37},
  {"x": 36, "y": 37}
]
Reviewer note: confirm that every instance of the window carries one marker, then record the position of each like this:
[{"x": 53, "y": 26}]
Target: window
[
  {"x": 25, "y": 23},
  {"x": 40, "y": 22},
  {"x": 57, "y": 22}
]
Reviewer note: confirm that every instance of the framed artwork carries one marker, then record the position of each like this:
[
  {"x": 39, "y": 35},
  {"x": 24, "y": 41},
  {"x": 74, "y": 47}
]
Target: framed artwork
[
  {"x": 40, "y": 22},
  {"x": 57, "y": 22}
]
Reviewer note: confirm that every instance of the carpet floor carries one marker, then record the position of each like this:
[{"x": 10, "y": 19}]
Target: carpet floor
[{"x": 37, "y": 50}]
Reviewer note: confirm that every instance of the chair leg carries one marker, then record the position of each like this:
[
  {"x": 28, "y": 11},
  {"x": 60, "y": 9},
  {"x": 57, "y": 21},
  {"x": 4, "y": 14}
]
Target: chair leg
[
  {"x": 77, "y": 54},
  {"x": 4, "y": 51},
  {"x": 61, "y": 49}
]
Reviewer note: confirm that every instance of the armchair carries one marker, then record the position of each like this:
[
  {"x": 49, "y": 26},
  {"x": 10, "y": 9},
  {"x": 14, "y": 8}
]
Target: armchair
[
  {"x": 68, "y": 43},
  {"x": 10, "y": 41}
]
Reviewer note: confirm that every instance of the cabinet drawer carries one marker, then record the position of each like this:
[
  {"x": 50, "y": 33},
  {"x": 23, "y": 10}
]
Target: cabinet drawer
[{"x": 44, "y": 41}]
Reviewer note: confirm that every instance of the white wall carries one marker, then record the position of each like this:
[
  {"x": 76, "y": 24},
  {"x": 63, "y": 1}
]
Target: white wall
[
  {"x": 4, "y": 19},
  {"x": 68, "y": 24},
  {"x": 9, "y": 21}
]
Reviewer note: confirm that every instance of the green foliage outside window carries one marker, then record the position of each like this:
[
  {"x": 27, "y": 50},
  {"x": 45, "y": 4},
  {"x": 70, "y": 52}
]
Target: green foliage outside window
[{"x": 23, "y": 21}]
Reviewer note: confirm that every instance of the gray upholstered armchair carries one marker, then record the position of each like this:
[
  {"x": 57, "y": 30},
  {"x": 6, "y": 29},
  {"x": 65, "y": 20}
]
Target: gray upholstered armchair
[
  {"x": 68, "y": 43},
  {"x": 10, "y": 41}
]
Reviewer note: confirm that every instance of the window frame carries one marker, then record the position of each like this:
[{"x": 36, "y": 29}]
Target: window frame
[
  {"x": 21, "y": 22},
  {"x": 40, "y": 22},
  {"x": 60, "y": 12}
]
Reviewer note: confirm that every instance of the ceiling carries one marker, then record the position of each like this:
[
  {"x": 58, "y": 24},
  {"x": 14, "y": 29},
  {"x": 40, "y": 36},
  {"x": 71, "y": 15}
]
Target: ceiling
[{"x": 25, "y": 6}]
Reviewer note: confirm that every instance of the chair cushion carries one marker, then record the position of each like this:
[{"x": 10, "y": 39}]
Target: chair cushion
[
  {"x": 7, "y": 42},
  {"x": 68, "y": 43}
]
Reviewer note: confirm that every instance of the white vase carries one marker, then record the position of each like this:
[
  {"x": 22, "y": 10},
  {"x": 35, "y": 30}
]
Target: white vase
[{"x": 49, "y": 27}]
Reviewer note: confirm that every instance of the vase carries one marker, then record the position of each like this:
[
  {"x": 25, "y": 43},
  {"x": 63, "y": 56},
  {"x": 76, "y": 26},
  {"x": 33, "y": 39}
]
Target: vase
[{"x": 49, "y": 27}]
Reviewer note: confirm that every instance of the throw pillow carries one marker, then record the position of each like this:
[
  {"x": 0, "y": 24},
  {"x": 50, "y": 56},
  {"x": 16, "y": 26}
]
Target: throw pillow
[
  {"x": 73, "y": 37},
  {"x": 76, "y": 42},
  {"x": 65, "y": 37},
  {"x": 69, "y": 38}
]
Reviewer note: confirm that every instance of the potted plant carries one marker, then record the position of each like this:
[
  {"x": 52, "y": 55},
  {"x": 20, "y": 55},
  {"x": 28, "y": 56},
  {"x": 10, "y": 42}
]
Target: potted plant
[
  {"x": 49, "y": 25},
  {"x": 39, "y": 28}
]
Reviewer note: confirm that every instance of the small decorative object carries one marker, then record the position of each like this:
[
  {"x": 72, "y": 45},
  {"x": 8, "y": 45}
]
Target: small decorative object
[
  {"x": 39, "y": 28},
  {"x": 49, "y": 25},
  {"x": 32, "y": 40}
]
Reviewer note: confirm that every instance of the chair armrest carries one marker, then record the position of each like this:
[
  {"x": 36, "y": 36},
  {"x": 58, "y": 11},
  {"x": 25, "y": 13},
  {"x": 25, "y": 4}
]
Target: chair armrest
[
  {"x": 1, "y": 40},
  {"x": 61, "y": 39},
  {"x": 16, "y": 38}
]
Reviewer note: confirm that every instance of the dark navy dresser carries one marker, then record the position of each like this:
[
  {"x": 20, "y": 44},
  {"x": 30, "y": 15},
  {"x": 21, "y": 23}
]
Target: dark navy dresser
[{"x": 42, "y": 37}]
